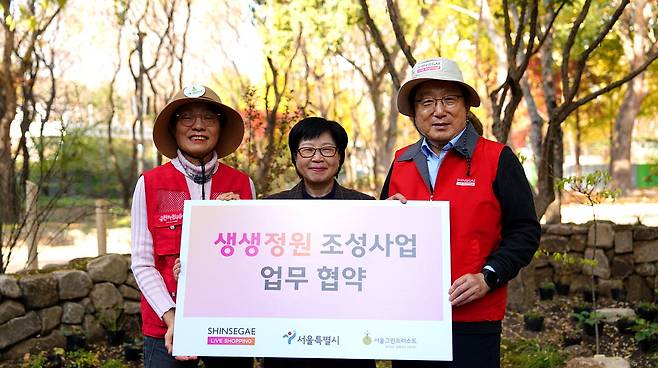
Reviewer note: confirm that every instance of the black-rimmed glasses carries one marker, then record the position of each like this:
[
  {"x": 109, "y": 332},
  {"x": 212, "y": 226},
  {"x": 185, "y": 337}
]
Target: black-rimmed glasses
[{"x": 326, "y": 151}]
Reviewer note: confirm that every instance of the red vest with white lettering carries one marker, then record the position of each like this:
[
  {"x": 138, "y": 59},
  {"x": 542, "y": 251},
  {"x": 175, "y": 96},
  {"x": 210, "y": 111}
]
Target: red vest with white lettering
[
  {"x": 475, "y": 219},
  {"x": 166, "y": 190}
]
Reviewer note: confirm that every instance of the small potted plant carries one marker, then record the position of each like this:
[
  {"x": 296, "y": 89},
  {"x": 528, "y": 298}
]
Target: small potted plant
[
  {"x": 132, "y": 350},
  {"x": 587, "y": 294},
  {"x": 533, "y": 321},
  {"x": 646, "y": 335},
  {"x": 618, "y": 294},
  {"x": 646, "y": 311},
  {"x": 571, "y": 338},
  {"x": 546, "y": 290},
  {"x": 625, "y": 325},
  {"x": 562, "y": 289},
  {"x": 579, "y": 308},
  {"x": 75, "y": 338},
  {"x": 590, "y": 321},
  {"x": 110, "y": 319}
]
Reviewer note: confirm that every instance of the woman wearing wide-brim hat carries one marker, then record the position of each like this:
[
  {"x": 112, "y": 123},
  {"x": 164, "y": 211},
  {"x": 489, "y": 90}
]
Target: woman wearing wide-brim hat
[{"x": 194, "y": 130}]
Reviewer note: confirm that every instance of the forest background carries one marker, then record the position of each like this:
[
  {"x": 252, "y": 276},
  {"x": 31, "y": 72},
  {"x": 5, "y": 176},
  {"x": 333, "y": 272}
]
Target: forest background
[{"x": 570, "y": 85}]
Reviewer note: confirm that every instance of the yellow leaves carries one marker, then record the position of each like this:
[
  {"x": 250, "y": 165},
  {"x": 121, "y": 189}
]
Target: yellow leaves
[{"x": 10, "y": 22}]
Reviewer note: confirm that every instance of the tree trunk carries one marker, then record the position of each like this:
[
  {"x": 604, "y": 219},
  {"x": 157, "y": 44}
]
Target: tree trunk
[
  {"x": 577, "y": 149},
  {"x": 622, "y": 133},
  {"x": 554, "y": 210},
  {"x": 636, "y": 44},
  {"x": 8, "y": 207}
]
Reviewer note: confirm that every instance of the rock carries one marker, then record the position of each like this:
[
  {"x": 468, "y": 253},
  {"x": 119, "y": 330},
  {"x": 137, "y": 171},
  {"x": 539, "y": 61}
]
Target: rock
[
  {"x": 611, "y": 315},
  {"x": 18, "y": 329},
  {"x": 73, "y": 284},
  {"x": 36, "y": 345},
  {"x": 623, "y": 242},
  {"x": 580, "y": 282},
  {"x": 645, "y": 251},
  {"x": 578, "y": 243},
  {"x": 638, "y": 290},
  {"x": 645, "y": 269},
  {"x": 72, "y": 313},
  {"x": 577, "y": 351},
  {"x": 521, "y": 290},
  {"x": 598, "y": 362},
  {"x": 130, "y": 281},
  {"x": 558, "y": 229},
  {"x": 105, "y": 295},
  {"x": 111, "y": 267},
  {"x": 605, "y": 235},
  {"x": 645, "y": 233},
  {"x": 129, "y": 293},
  {"x": 132, "y": 308},
  {"x": 602, "y": 267},
  {"x": 622, "y": 266},
  {"x": 10, "y": 309},
  {"x": 50, "y": 318},
  {"x": 605, "y": 286},
  {"x": 579, "y": 229},
  {"x": 554, "y": 243},
  {"x": 9, "y": 287},
  {"x": 544, "y": 274},
  {"x": 39, "y": 291},
  {"x": 93, "y": 329},
  {"x": 89, "y": 305}
]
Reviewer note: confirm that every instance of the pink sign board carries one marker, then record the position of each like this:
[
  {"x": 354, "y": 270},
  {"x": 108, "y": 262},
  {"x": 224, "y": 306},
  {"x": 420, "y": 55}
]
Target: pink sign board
[{"x": 345, "y": 262}]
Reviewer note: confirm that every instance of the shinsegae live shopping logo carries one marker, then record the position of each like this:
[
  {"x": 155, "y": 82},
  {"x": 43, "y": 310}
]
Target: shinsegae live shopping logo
[
  {"x": 291, "y": 337},
  {"x": 231, "y": 336}
]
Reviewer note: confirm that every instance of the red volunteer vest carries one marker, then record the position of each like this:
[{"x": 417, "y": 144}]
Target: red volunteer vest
[
  {"x": 474, "y": 216},
  {"x": 166, "y": 191}
]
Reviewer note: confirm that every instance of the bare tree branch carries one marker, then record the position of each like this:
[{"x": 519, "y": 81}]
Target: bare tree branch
[
  {"x": 377, "y": 36},
  {"x": 399, "y": 33}
]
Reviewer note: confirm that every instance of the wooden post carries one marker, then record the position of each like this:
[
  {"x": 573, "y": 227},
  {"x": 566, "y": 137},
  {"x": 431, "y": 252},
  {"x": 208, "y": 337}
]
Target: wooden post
[
  {"x": 31, "y": 193},
  {"x": 101, "y": 231}
]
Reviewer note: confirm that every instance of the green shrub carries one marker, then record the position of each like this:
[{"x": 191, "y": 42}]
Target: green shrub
[
  {"x": 82, "y": 359},
  {"x": 530, "y": 353},
  {"x": 645, "y": 330},
  {"x": 35, "y": 361},
  {"x": 114, "y": 363},
  {"x": 588, "y": 318}
]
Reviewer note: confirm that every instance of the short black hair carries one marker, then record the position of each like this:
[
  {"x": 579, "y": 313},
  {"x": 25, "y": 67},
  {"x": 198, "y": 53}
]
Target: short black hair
[{"x": 312, "y": 127}]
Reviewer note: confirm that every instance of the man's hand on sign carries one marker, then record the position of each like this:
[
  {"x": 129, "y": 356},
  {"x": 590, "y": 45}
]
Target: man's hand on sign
[
  {"x": 399, "y": 197},
  {"x": 228, "y": 196},
  {"x": 176, "y": 269},
  {"x": 467, "y": 288},
  {"x": 169, "y": 317}
]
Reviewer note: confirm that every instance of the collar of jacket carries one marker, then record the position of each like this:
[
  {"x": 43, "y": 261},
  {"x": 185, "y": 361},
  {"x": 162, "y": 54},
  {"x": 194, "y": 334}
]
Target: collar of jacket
[
  {"x": 465, "y": 145},
  {"x": 298, "y": 190}
]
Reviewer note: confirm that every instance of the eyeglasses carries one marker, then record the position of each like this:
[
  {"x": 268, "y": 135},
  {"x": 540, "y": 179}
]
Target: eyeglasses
[
  {"x": 188, "y": 118},
  {"x": 448, "y": 102},
  {"x": 326, "y": 151}
]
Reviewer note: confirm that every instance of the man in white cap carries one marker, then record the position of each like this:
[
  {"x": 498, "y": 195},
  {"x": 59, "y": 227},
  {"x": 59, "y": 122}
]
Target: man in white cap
[
  {"x": 194, "y": 130},
  {"x": 494, "y": 230}
]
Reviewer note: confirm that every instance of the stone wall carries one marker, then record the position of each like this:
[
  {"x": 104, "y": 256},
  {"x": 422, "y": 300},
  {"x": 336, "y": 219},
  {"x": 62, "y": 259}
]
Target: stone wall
[
  {"x": 626, "y": 258},
  {"x": 37, "y": 310}
]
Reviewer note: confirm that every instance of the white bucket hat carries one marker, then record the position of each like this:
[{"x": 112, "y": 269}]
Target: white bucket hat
[{"x": 441, "y": 69}]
